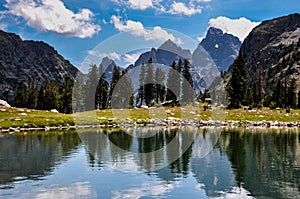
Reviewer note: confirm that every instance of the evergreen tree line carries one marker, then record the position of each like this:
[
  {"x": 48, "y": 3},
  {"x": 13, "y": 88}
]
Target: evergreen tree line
[
  {"x": 283, "y": 94},
  {"x": 98, "y": 93},
  {"x": 155, "y": 87},
  {"x": 49, "y": 96}
]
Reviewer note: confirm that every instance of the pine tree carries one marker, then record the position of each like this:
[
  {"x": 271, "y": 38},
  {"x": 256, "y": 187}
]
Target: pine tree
[
  {"x": 149, "y": 84},
  {"x": 90, "y": 88},
  {"x": 114, "y": 80},
  {"x": 66, "y": 90},
  {"x": 187, "y": 84},
  {"x": 179, "y": 66},
  {"x": 260, "y": 96},
  {"x": 141, "y": 90},
  {"x": 173, "y": 85},
  {"x": 159, "y": 85},
  {"x": 32, "y": 94},
  {"x": 21, "y": 96},
  {"x": 291, "y": 94},
  {"x": 238, "y": 83},
  {"x": 48, "y": 96},
  {"x": 77, "y": 97},
  {"x": 102, "y": 90},
  {"x": 122, "y": 96}
]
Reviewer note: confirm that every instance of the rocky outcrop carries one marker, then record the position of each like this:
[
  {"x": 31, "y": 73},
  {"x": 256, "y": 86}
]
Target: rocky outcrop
[{"x": 31, "y": 62}]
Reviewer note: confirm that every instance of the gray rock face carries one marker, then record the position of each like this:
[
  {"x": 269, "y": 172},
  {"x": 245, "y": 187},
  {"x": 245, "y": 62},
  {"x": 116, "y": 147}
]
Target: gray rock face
[
  {"x": 29, "y": 61},
  {"x": 274, "y": 45},
  {"x": 222, "y": 47}
]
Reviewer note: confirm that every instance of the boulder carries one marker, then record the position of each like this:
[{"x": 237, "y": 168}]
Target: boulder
[{"x": 4, "y": 104}]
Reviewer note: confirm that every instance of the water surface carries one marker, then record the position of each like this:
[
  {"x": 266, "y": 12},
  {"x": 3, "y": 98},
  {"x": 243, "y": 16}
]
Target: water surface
[{"x": 151, "y": 163}]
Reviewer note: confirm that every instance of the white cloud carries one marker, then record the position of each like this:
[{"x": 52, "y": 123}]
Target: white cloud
[
  {"x": 137, "y": 4},
  {"x": 204, "y": 1},
  {"x": 238, "y": 27},
  {"x": 104, "y": 21},
  {"x": 131, "y": 58},
  {"x": 3, "y": 26},
  {"x": 176, "y": 8},
  {"x": 147, "y": 189},
  {"x": 140, "y": 4},
  {"x": 179, "y": 8},
  {"x": 52, "y": 15},
  {"x": 138, "y": 29},
  {"x": 200, "y": 38},
  {"x": 77, "y": 190},
  {"x": 111, "y": 55}
]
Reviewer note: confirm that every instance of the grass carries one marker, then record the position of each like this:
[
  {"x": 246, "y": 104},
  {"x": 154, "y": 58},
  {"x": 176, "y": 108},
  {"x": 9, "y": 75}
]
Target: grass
[{"x": 16, "y": 117}]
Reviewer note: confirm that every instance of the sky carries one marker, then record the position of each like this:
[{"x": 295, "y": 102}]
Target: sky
[{"x": 121, "y": 29}]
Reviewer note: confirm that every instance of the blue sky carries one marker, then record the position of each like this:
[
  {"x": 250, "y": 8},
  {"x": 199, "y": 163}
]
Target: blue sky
[{"x": 75, "y": 27}]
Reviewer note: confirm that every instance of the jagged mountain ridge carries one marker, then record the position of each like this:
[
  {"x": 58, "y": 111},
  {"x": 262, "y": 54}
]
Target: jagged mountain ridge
[
  {"x": 166, "y": 54},
  {"x": 222, "y": 47},
  {"x": 203, "y": 66},
  {"x": 29, "y": 61}
]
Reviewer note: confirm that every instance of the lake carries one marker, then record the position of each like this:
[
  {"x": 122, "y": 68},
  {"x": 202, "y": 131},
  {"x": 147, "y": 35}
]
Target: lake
[{"x": 155, "y": 162}]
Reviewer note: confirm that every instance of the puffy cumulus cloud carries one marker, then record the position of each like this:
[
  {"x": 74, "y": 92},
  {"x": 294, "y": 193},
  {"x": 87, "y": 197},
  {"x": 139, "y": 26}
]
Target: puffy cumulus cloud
[
  {"x": 131, "y": 58},
  {"x": 137, "y": 4},
  {"x": 179, "y": 8},
  {"x": 111, "y": 55},
  {"x": 136, "y": 28},
  {"x": 52, "y": 15},
  {"x": 176, "y": 8},
  {"x": 140, "y": 4},
  {"x": 238, "y": 27}
]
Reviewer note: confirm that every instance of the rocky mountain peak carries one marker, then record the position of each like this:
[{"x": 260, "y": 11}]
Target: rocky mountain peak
[
  {"x": 222, "y": 47},
  {"x": 106, "y": 61},
  {"x": 170, "y": 46},
  {"x": 213, "y": 31}
]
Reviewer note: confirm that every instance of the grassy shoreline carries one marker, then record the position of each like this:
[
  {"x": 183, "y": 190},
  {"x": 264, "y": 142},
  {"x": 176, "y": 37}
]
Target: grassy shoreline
[{"x": 37, "y": 119}]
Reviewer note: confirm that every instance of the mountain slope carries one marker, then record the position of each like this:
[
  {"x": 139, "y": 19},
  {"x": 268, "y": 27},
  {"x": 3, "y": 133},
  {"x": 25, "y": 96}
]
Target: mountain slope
[
  {"x": 29, "y": 61},
  {"x": 273, "y": 48}
]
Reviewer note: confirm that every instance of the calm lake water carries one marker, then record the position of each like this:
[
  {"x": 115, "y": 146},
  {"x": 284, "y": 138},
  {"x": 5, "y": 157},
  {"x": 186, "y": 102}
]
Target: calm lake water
[{"x": 151, "y": 163}]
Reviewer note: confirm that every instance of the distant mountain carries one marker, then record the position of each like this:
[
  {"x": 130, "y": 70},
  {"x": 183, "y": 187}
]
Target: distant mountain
[
  {"x": 222, "y": 47},
  {"x": 274, "y": 46},
  {"x": 109, "y": 65},
  {"x": 29, "y": 61},
  {"x": 203, "y": 68},
  {"x": 172, "y": 47},
  {"x": 166, "y": 54}
]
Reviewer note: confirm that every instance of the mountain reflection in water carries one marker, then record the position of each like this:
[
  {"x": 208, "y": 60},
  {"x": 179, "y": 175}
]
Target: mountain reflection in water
[{"x": 152, "y": 162}]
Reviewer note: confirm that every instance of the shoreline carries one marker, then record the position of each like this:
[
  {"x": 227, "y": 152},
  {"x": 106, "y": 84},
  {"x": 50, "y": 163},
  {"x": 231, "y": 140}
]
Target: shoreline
[{"x": 173, "y": 122}]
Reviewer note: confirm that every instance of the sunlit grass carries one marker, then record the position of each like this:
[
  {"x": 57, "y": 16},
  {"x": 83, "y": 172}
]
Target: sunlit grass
[{"x": 16, "y": 117}]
